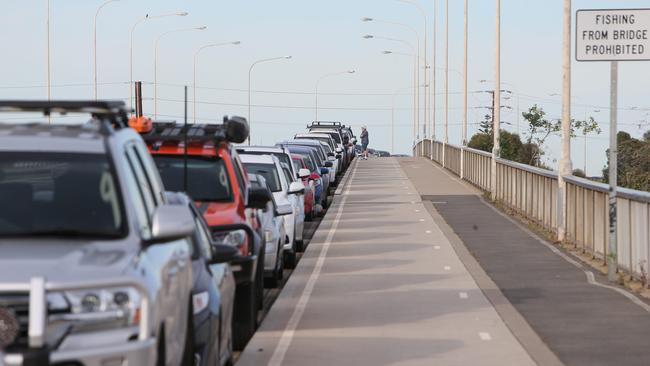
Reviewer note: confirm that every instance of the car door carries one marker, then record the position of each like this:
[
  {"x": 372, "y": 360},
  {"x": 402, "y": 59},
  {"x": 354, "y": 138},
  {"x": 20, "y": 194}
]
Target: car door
[
  {"x": 223, "y": 280},
  {"x": 169, "y": 260}
]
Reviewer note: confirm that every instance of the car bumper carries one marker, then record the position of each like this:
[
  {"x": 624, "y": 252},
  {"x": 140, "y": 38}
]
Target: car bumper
[{"x": 131, "y": 353}]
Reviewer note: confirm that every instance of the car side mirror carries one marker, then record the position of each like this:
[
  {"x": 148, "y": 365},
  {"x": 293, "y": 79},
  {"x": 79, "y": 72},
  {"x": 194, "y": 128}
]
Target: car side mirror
[
  {"x": 222, "y": 253},
  {"x": 304, "y": 173},
  {"x": 171, "y": 222},
  {"x": 338, "y": 156},
  {"x": 259, "y": 197},
  {"x": 328, "y": 164},
  {"x": 296, "y": 188},
  {"x": 284, "y": 210},
  {"x": 330, "y": 154},
  {"x": 354, "y": 141},
  {"x": 339, "y": 150},
  {"x": 325, "y": 171}
]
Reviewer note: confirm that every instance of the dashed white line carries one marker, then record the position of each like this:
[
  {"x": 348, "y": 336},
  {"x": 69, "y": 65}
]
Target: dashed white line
[
  {"x": 447, "y": 268},
  {"x": 485, "y": 336},
  {"x": 463, "y": 295},
  {"x": 437, "y": 247},
  {"x": 421, "y": 220},
  {"x": 428, "y": 231},
  {"x": 288, "y": 333}
]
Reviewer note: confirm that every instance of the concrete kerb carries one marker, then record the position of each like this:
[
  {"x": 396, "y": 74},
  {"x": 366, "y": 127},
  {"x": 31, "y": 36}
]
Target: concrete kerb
[{"x": 523, "y": 332}]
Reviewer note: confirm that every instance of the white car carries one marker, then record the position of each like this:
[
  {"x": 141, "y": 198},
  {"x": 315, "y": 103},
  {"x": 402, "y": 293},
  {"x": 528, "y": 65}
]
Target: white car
[
  {"x": 334, "y": 150},
  {"x": 275, "y": 235},
  {"x": 285, "y": 193}
]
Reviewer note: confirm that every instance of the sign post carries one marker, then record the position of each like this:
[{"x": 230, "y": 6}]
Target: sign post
[{"x": 613, "y": 35}]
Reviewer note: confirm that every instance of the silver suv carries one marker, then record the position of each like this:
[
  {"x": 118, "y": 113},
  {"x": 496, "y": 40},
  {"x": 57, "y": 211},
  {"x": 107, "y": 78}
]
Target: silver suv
[{"x": 95, "y": 266}]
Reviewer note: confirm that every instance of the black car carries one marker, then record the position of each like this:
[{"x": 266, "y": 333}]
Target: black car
[{"x": 213, "y": 292}]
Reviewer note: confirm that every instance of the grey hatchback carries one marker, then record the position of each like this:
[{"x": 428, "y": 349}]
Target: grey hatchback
[{"x": 95, "y": 266}]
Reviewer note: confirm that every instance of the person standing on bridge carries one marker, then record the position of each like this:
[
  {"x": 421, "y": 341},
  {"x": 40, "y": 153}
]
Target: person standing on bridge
[{"x": 364, "y": 142}]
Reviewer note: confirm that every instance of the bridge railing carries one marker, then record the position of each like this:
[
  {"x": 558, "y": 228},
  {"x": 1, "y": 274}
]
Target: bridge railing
[{"x": 532, "y": 192}]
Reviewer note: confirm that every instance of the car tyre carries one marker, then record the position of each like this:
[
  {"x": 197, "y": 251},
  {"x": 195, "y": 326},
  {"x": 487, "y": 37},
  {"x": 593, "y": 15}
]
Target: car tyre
[
  {"x": 245, "y": 317},
  {"x": 290, "y": 259},
  {"x": 161, "y": 348},
  {"x": 188, "y": 349}
]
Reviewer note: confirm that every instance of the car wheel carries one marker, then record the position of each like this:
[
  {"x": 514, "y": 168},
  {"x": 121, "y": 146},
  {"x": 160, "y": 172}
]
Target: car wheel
[
  {"x": 161, "y": 349},
  {"x": 290, "y": 259},
  {"x": 188, "y": 349},
  {"x": 245, "y": 316}
]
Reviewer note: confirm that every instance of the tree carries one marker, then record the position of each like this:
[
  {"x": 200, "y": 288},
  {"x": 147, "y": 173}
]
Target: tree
[
  {"x": 539, "y": 129},
  {"x": 633, "y": 162}
]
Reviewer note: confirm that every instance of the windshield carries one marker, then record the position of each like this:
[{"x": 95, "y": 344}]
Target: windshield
[
  {"x": 269, "y": 173},
  {"x": 207, "y": 177},
  {"x": 297, "y": 165},
  {"x": 57, "y": 194}
]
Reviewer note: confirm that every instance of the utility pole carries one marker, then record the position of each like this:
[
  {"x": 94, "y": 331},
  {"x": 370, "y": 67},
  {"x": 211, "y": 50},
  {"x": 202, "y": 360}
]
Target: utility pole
[
  {"x": 613, "y": 173},
  {"x": 464, "y": 132}
]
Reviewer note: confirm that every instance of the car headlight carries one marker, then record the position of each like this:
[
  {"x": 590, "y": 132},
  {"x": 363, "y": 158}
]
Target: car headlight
[
  {"x": 235, "y": 238},
  {"x": 101, "y": 309},
  {"x": 200, "y": 301}
]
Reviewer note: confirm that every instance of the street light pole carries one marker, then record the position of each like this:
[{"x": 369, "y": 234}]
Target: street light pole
[
  {"x": 565, "y": 158},
  {"x": 464, "y": 138},
  {"x": 418, "y": 58},
  {"x": 416, "y": 86},
  {"x": 496, "y": 121},
  {"x": 432, "y": 97},
  {"x": 95, "y": 46},
  {"x": 155, "y": 64},
  {"x": 196, "y": 56},
  {"x": 392, "y": 115},
  {"x": 426, "y": 87},
  {"x": 326, "y": 76},
  {"x": 142, "y": 20},
  {"x": 250, "y": 71}
]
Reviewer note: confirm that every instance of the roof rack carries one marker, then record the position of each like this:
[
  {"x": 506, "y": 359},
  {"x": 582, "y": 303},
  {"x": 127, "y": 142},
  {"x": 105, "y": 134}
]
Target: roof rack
[
  {"x": 234, "y": 130},
  {"x": 324, "y": 124},
  {"x": 178, "y": 132},
  {"x": 113, "y": 112}
]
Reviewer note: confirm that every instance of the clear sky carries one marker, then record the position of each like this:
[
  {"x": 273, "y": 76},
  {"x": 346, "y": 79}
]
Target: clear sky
[{"x": 323, "y": 37}]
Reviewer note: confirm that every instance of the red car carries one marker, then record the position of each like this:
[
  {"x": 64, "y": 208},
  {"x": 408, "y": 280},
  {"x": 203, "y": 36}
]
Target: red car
[
  {"x": 308, "y": 181},
  {"x": 201, "y": 160}
]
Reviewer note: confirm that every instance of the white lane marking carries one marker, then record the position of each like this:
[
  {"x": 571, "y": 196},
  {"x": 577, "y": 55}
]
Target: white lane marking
[
  {"x": 428, "y": 231},
  {"x": 437, "y": 247},
  {"x": 421, "y": 220},
  {"x": 289, "y": 331},
  {"x": 485, "y": 336},
  {"x": 447, "y": 268},
  {"x": 417, "y": 210},
  {"x": 463, "y": 295}
]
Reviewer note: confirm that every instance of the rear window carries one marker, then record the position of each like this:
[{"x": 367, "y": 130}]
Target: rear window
[
  {"x": 269, "y": 173},
  {"x": 60, "y": 195},
  {"x": 207, "y": 177}
]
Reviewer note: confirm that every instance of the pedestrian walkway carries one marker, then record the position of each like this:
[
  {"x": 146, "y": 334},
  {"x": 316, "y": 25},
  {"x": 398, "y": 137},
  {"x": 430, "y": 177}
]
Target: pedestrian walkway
[
  {"x": 575, "y": 312},
  {"x": 381, "y": 284}
]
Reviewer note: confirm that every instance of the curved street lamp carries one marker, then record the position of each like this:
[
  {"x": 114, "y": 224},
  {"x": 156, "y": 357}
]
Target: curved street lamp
[
  {"x": 142, "y": 20},
  {"x": 326, "y": 76},
  {"x": 196, "y": 56},
  {"x": 155, "y": 64},
  {"x": 250, "y": 71},
  {"x": 95, "y": 45}
]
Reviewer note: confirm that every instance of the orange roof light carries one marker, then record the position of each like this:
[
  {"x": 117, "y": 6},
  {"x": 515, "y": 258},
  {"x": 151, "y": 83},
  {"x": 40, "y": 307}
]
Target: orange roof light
[{"x": 141, "y": 124}]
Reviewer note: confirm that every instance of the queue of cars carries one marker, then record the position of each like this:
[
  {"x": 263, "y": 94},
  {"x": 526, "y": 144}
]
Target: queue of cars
[{"x": 130, "y": 242}]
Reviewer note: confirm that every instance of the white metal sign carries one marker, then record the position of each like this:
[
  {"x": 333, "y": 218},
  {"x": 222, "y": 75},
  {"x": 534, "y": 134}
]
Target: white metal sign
[{"x": 613, "y": 35}]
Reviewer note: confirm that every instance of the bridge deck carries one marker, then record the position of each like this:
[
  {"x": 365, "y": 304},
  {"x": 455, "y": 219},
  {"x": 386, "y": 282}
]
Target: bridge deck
[{"x": 380, "y": 284}]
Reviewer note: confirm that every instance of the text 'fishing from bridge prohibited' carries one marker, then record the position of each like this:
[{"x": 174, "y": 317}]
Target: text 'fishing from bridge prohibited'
[{"x": 613, "y": 35}]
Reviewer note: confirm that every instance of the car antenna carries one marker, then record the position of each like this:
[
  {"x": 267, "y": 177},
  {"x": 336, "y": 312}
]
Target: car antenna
[{"x": 185, "y": 145}]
